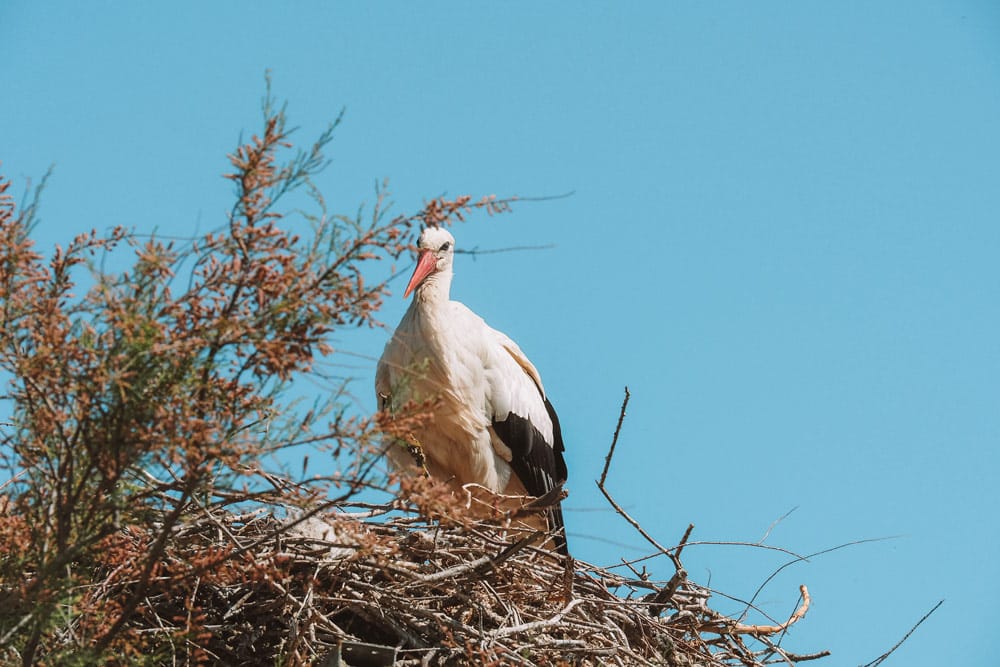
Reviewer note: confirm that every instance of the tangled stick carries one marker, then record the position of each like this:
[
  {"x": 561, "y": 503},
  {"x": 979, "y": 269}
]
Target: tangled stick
[{"x": 741, "y": 629}]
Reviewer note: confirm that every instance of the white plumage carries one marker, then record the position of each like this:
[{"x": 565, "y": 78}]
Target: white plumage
[{"x": 494, "y": 425}]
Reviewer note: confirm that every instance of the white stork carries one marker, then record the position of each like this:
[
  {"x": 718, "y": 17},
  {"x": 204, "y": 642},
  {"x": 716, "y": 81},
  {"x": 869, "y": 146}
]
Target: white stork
[{"x": 494, "y": 425}]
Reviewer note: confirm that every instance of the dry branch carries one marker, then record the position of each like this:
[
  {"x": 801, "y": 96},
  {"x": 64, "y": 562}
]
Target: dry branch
[
  {"x": 742, "y": 629},
  {"x": 882, "y": 658}
]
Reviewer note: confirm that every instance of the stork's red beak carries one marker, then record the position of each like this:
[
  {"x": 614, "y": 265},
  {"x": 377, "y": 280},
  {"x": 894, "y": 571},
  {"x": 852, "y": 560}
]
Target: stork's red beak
[{"x": 426, "y": 264}]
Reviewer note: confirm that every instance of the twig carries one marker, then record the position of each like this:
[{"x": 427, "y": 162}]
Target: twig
[
  {"x": 741, "y": 629},
  {"x": 536, "y": 625},
  {"x": 776, "y": 522},
  {"x": 618, "y": 508},
  {"x": 684, "y": 540},
  {"x": 493, "y": 251},
  {"x": 805, "y": 657},
  {"x": 660, "y": 600},
  {"x": 614, "y": 440},
  {"x": 879, "y": 660},
  {"x": 799, "y": 559},
  {"x": 452, "y": 572},
  {"x": 20, "y": 624}
]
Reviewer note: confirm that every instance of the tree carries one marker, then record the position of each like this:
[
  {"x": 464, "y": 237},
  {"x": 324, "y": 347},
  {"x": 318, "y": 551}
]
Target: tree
[{"x": 158, "y": 391}]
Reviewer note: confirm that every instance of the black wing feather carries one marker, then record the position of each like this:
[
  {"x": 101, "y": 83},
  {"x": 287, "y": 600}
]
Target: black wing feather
[{"x": 538, "y": 464}]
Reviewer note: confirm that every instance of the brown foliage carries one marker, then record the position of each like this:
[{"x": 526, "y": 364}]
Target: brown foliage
[{"x": 139, "y": 397}]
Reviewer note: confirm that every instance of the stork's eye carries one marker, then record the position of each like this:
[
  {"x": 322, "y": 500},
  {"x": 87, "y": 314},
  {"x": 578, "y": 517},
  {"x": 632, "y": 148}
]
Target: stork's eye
[{"x": 446, "y": 246}]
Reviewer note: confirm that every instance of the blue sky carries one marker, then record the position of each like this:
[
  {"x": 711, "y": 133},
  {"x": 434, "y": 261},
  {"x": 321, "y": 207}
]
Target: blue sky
[{"x": 783, "y": 239}]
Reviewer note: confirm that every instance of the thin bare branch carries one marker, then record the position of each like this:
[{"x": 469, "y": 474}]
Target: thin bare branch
[
  {"x": 742, "y": 629},
  {"x": 882, "y": 658}
]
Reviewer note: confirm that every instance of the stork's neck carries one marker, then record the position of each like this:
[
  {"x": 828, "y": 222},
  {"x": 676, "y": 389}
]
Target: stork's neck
[{"x": 434, "y": 291}]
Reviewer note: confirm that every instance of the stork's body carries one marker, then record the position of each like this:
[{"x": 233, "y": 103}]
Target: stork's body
[{"x": 493, "y": 424}]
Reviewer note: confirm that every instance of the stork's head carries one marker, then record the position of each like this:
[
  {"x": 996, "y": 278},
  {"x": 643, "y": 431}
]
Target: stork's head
[{"x": 437, "y": 251}]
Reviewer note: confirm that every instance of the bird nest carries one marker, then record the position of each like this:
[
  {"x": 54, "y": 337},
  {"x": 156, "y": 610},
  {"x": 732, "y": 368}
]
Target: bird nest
[{"x": 369, "y": 585}]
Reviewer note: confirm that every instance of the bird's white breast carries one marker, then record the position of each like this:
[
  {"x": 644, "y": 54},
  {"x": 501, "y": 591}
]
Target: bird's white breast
[{"x": 478, "y": 374}]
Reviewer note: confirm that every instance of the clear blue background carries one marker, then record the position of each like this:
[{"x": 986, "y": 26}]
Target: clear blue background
[{"x": 784, "y": 239}]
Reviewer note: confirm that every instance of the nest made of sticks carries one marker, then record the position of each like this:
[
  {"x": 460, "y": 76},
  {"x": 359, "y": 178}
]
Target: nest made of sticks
[{"x": 362, "y": 588}]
